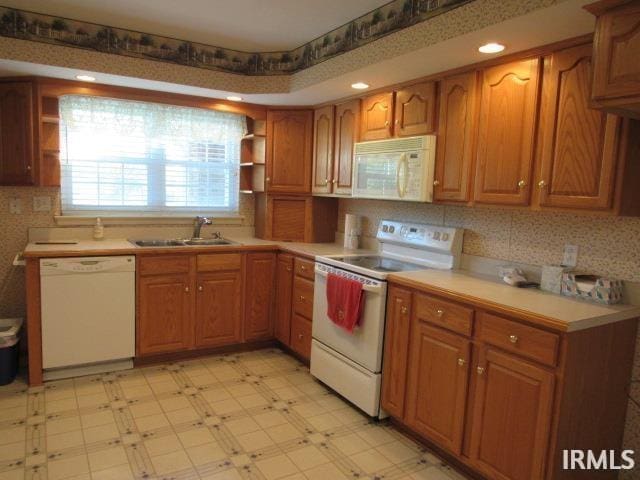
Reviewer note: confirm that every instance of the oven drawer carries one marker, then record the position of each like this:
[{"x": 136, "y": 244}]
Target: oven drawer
[
  {"x": 451, "y": 316},
  {"x": 303, "y": 297},
  {"x": 515, "y": 337}
]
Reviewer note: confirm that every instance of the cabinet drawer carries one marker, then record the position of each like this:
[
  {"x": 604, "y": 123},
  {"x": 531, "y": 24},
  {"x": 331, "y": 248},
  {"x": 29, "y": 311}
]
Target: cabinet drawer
[
  {"x": 301, "y": 336},
  {"x": 305, "y": 268},
  {"x": 451, "y": 316},
  {"x": 518, "y": 338},
  {"x": 163, "y": 264},
  {"x": 303, "y": 297},
  {"x": 219, "y": 261}
]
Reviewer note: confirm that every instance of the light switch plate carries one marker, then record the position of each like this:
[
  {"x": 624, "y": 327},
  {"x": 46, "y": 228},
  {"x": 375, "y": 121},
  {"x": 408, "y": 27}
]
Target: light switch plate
[
  {"x": 570, "y": 258},
  {"x": 42, "y": 204},
  {"x": 15, "y": 206}
]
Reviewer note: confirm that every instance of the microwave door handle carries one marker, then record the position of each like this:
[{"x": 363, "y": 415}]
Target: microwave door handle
[
  {"x": 398, "y": 168},
  {"x": 405, "y": 174}
]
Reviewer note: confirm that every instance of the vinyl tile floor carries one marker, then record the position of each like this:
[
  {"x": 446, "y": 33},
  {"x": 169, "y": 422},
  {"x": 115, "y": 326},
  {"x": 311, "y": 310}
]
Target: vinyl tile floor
[{"x": 257, "y": 415}]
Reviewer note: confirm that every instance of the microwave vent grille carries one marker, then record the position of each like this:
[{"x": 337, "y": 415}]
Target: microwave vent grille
[{"x": 395, "y": 145}]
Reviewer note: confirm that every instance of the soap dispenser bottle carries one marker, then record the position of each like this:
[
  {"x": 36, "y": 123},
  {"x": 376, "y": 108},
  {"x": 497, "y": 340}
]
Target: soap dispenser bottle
[{"x": 98, "y": 230}]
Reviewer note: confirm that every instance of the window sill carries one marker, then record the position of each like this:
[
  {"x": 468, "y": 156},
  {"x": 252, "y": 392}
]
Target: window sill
[{"x": 86, "y": 220}]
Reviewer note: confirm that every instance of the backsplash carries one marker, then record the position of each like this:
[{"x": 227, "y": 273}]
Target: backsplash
[
  {"x": 607, "y": 246},
  {"x": 14, "y": 230}
]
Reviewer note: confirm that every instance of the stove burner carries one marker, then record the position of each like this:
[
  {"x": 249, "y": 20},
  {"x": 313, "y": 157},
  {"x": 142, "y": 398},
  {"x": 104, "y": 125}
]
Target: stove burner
[{"x": 379, "y": 264}]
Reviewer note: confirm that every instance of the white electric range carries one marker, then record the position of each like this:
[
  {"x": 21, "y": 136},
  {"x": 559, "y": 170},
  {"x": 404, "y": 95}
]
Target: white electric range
[{"x": 351, "y": 364}]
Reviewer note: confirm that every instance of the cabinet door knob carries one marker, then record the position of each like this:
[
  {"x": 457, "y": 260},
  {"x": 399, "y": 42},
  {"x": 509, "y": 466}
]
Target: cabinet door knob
[
  {"x": 288, "y": 269},
  {"x": 542, "y": 184},
  {"x": 404, "y": 310},
  {"x": 480, "y": 370},
  {"x": 28, "y": 168},
  {"x": 436, "y": 182},
  {"x": 334, "y": 181},
  {"x": 268, "y": 179},
  {"x": 386, "y": 124},
  {"x": 186, "y": 289},
  {"x": 303, "y": 268},
  {"x": 200, "y": 288},
  {"x": 461, "y": 362},
  {"x": 513, "y": 338},
  {"x": 300, "y": 336},
  {"x": 522, "y": 183},
  {"x": 440, "y": 312},
  {"x": 302, "y": 298},
  {"x": 326, "y": 181}
]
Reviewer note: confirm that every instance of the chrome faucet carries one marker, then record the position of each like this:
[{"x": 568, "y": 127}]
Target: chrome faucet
[{"x": 197, "y": 226}]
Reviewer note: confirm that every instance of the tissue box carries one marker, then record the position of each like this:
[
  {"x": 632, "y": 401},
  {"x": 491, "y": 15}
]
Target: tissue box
[{"x": 592, "y": 287}]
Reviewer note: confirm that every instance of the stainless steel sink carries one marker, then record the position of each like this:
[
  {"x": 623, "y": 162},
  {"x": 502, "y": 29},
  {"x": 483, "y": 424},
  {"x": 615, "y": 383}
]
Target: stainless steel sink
[
  {"x": 191, "y": 242},
  {"x": 158, "y": 243},
  {"x": 204, "y": 241}
]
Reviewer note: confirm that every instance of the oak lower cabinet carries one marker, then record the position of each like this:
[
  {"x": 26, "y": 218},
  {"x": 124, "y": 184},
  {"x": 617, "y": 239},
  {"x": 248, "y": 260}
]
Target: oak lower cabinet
[
  {"x": 219, "y": 309},
  {"x": 499, "y": 392},
  {"x": 207, "y": 300},
  {"x": 284, "y": 292},
  {"x": 164, "y": 313},
  {"x": 259, "y": 277},
  {"x": 437, "y": 384},
  {"x": 512, "y": 416},
  {"x": 294, "y": 311},
  {"x": 616, "y": 47}
]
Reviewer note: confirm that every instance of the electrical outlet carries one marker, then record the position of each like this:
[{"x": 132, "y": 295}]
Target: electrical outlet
[
  {"x": 41, "y": 204},
  {"x": 570, "y": 258},
  {"x": 15, "y": 206}
]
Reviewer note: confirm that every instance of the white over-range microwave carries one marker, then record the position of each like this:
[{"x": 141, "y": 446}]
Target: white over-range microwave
[{"x": 396, "y": 169}]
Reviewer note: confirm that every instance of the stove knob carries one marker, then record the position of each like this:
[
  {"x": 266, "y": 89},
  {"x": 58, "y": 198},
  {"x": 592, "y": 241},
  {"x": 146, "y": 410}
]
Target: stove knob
[
  {"x": 385, "y": 228},
  {"x": 392, "y": 229},
  {"x": 445, "y": 237}
]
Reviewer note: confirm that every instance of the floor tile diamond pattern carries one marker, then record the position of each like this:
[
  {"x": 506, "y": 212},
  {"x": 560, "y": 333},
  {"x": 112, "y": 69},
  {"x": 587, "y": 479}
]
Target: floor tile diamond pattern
[{"x": 254, "y": 416}]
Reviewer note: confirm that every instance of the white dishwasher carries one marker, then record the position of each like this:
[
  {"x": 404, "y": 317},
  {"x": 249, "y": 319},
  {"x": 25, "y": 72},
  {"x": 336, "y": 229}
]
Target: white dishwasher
[{"x": 88, "y": 315}]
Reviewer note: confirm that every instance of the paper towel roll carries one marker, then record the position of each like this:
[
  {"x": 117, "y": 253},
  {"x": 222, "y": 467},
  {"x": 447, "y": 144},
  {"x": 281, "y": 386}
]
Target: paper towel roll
[{"x": 352, "y": 224}]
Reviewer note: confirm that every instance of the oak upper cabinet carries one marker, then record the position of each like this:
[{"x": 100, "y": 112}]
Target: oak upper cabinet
[
  {"x": 219, "y": 308},
  {"x": 289, "y": 145},
  {"x": 415, "y": 110},
  {"x": 16, "y": 134},
  {"x": 322, "y": 149},
  {"x": 376, "y": 122},
  {"x": 511, "y": 416},
  {"x": 284, "y": 286},
  {"x": 437, "y": 384},
  {"x": 506, "y": 133},
  {"x": 347, "y": 130},
  {"x": 458, "y": 122},
  {"x": 578, "y": 145},
  {"x": 259, "y": 276},
  {"x": 396, "y": 341},
  {"x": 164, "y": 313},
  {"x": 616, "y": 49}
]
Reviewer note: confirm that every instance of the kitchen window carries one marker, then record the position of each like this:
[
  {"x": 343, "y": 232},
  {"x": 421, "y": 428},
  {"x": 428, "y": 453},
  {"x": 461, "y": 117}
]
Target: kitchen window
[{"x": 121, "y": 157}]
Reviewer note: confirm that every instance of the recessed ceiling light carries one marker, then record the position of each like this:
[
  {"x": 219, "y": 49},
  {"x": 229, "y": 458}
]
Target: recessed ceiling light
[
  {"x": 86, "y": 78},
  {"x": 491, "y": 48},
  {"x": 234, "y": 98},
  {"x": 359, "y": 85}
]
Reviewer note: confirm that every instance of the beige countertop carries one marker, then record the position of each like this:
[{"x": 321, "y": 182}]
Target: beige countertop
[
  {"x": 549, "y": 309},
  {"x": 120, "y": 246}
]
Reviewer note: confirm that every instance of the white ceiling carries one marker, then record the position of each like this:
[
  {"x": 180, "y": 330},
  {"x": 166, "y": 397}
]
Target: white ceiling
[
  {"x": 561, "y": 21},
  {"x": 249, "y": 25}
]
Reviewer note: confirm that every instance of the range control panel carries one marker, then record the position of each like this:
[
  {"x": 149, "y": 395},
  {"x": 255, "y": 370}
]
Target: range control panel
[{"x": 416, "y": 235}]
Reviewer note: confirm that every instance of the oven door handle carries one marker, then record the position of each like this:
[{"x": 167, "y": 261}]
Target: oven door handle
[{"x": 365, "y": 287}]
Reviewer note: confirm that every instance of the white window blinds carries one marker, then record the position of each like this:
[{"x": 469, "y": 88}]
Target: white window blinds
[{"x": 127, "y": 157}]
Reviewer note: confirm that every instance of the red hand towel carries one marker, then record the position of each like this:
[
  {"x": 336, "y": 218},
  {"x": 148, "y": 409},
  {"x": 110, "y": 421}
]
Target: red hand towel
[{"x": 345, "y": 299}]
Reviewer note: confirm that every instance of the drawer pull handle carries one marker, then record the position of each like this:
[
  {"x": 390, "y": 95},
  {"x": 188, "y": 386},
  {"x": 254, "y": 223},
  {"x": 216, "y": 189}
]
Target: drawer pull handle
[
  {"x": 461, "y": 362},
  {"x": 186, "y": 289},
  {"x": 542, "y": 184},
  {"x": 440, "y": 312},
  {"x": 480, "y": 370},
  {"x": 302, "y": 298},
  {"x": 200, "y": 288},
  {"x": 300, "y": 336},
  {"x": 436, "y": 182},
  {"x": 404, "y": 310},
  {"x": 303, "y": 268},
  {"x": 522, "y": 184},
  {"x": 288, "y": 269},
  {"x": 513, "y": 338}
]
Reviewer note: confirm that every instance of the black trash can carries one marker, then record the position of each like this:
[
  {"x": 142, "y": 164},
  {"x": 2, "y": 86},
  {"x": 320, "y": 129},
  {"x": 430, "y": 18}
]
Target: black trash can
[{"x": 9, "y": 349}]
